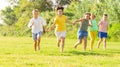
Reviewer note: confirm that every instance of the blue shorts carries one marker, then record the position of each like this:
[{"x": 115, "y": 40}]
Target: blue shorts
[
  {"x": 102, "y": 35},
  {"x": 36, "y": 35},
  {"x": 82, "y": 34}
]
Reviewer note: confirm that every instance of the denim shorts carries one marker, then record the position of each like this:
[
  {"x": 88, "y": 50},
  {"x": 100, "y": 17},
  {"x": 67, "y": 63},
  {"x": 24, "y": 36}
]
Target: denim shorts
[
  {"x": 82, "y": 34},
  {"x": 102, "y": 34},
  {"x": 36, "y": 35}
]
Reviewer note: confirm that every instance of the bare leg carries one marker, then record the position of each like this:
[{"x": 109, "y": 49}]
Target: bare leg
[
  {"x": 35, "y": 45},
  {"x": 99, "y": 42},
  {"x": 77, "y": 43},
  {"x": 105, "y": 43},
  {"x": 58, "y": 42},
  {"x": 85, "y": 43},
  {"x": 39, "y": 39},
  {"x": 91, "y": 39},
  {"x": 62, "y": 45}
]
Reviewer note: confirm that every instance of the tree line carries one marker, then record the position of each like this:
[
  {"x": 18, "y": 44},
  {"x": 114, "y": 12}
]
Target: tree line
[{"x": 17, "y": 16}]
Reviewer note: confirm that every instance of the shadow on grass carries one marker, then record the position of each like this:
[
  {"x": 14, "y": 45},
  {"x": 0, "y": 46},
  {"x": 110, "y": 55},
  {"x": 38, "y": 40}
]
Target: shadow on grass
[
  {"x": 73, "y": 53},
  {"x": 113, "y": 51},
  {"x": 89, "y": 53}
]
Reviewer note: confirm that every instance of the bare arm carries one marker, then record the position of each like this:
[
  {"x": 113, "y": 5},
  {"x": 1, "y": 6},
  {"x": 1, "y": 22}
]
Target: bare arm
[
  {"x": 30, "y": 24},
  {"x": 68, "y": 21},
  {"x": 79, "y": 20},
  {"x": 107, "y": 27},
  {"x": 44, "y": 29},
  {"x": 90, "y": 23},
  {"x": 52, "y": 27}
]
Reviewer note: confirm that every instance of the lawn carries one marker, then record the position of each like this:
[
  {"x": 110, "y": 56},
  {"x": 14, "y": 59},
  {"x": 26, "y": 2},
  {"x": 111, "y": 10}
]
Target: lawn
[{"x": 19, "y": 52}]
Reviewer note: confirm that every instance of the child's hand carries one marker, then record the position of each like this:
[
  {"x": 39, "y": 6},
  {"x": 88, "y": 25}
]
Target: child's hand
[
  {"x": 46, "y": 30},
  {"x": 73, "y": 23},
  {"x": 32, "y": 24}
]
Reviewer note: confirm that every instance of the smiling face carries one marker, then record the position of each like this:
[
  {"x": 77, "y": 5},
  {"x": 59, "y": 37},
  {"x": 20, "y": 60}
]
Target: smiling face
[
  {"x": 60, "y": 12},
  {"x": 105, "y": 17},
  {"x": 87, "y": 16},
  {"x": 35, "y": 13},
  {"x": 92, "y": 16}
]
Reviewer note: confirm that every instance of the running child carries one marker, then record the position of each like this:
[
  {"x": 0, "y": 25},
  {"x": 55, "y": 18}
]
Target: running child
[
  {"x": 103, "y": 28},
  {"x": 60, "y": 27},
  {"x": 37, "y": 24},
  {"x": 92, "y": 30},
  {"x": 82, "y": 32}
]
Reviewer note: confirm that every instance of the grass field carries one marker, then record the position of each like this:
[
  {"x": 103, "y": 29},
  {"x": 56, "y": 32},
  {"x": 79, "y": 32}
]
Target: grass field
[{"x": 19, "y": 52}]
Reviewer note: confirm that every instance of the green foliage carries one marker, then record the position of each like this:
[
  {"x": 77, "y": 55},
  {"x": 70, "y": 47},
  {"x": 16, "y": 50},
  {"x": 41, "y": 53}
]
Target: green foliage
[
  {"x": 76, "y": 10},
  {"x": 42, "y": 5},
  {"x": 8, "y": 16},
  {"x": 18, "y": 16},
  {"x": 63, "y": 2},
  {"x": 114, "y": 32}
]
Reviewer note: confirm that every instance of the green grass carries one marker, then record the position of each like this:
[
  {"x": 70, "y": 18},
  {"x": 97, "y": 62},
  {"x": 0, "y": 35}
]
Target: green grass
[{"x": 19, "y": 52}]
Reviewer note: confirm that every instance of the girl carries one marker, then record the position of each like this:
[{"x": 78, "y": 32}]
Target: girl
[{"x": 92, "y": 30}]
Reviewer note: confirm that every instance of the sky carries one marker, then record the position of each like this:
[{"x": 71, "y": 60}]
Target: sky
[{"x": 3, "y": 4}]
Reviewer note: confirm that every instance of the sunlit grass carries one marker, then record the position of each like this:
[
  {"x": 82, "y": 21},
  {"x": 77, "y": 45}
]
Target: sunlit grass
[{"x": 19, "y": 52}]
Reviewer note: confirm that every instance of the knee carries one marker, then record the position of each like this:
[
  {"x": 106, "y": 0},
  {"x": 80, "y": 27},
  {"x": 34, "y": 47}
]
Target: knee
[
  {"x": 80, "y": 41},
  {"x": 100, "y": 40},
  {"x": 104, "y": 40},
  {"x": 35, "y": 42},
  {"x": 38, "y": 40},
  {"x": 62, "y": 38}
]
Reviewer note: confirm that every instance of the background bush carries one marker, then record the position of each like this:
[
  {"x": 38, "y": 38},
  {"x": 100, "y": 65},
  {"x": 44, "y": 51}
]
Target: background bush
[{"x": 18, "y": 16}]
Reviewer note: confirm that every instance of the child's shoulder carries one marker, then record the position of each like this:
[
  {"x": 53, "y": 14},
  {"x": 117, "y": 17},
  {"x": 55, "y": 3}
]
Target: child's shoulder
[
  {"x": 64, "y": 15},
  {"x": 39, "y": 17},
  {"x": 101, "y": 21},
  {"x": 31, "y": 19}
]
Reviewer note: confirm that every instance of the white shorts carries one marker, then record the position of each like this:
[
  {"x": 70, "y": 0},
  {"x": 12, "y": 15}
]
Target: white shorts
[{"x": 60, "y": 34}]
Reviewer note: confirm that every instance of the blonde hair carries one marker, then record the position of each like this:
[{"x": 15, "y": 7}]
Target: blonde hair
[{"x": 35, "y": 10}]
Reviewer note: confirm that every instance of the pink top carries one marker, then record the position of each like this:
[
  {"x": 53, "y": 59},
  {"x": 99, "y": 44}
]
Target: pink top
[{"x": 103, "y": 26}]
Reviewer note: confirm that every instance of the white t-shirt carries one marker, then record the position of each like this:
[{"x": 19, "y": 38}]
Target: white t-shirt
[{"x": 38, "y": 24}]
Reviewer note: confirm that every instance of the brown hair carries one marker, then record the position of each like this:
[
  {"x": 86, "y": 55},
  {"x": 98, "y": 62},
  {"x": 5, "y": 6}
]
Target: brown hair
[
  {"x": 105, "y": 14},
  {"x": 60, "y": 7},
  {"x": 87, "y": 13},
  {"x": 93, "y": 15}
]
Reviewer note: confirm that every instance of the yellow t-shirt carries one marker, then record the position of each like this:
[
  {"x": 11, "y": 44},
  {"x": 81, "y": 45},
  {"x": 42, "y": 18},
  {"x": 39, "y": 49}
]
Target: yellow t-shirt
[{"x": 60, "y": 23}]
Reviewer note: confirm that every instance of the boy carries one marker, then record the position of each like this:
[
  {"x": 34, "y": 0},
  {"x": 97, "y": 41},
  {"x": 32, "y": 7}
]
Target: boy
[
  {"x": 37, "y": 24},
  {"x": 60, "y": 30},
  {"x": 82, "y": 32},
  {"x": 103, "y": 28}
]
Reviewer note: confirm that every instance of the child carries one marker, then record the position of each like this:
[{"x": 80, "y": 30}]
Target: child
[
  {"x": 60, "y": 30},
  {"x": 103, "y": 28},
  {"x": 92, "y": 30},
  {"x": 37, "y": 24},
  {"x": 82, "y": 32}
]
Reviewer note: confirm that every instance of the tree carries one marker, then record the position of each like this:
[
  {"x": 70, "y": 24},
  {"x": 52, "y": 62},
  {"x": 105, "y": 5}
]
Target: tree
[{"x": 8, "y": 16}]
